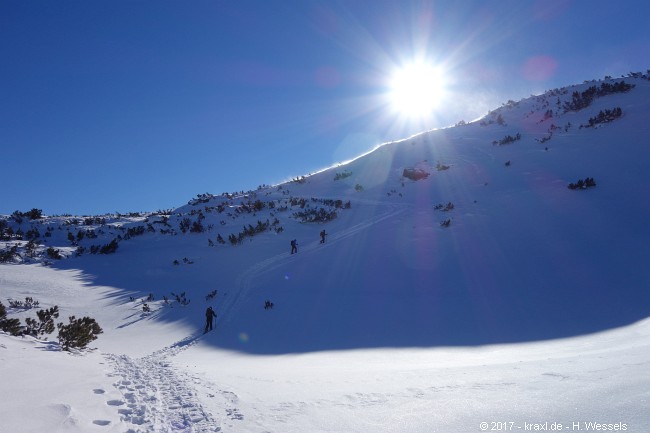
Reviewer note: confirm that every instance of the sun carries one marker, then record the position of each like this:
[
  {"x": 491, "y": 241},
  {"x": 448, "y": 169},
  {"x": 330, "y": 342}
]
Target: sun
[{"x": 417, "y": 90}]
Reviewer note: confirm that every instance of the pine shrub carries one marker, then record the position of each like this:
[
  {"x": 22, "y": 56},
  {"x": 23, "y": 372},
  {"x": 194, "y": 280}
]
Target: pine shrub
[
  {"x": 31, "y": 248},
  {"x": 8, "y": 255},
  {"x": 78, "y": 333},
  {"x": 53, "y": 253},
  {"x": 197, "y": 227},
  {"x": 185, "y": 224},
  {"x": 109, "y": 248},
  {"x": 343, "y": 175},
  {"x": 34, "y": 214},
  {"x": 10, "y": 326},
  {"x": 508, "y": 139},
  {"x": 45, "y": 323},
  {"x": 29, "y": 303},
  {"x": 588, "y": 182}
]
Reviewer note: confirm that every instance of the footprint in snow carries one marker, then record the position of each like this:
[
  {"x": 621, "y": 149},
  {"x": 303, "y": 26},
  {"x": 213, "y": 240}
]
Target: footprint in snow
[{"x": 234, "y": 414}]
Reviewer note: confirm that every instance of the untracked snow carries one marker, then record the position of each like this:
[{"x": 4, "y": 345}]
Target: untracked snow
[{"x": 523, "y": 304}]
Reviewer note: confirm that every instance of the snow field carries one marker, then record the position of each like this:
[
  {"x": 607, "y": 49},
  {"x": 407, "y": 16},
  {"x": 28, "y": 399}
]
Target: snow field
[{"x": 531, "y": 307}]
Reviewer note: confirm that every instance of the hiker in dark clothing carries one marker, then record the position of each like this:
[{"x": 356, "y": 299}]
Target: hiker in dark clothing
[
  {"x": 209, "y": 316},
  {"x": 294, "y": 246},
  {"x": 322, "y": 236}
]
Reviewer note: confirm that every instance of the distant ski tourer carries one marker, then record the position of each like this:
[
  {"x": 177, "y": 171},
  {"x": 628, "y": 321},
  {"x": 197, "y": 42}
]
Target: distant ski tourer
[{"x": 209, "y": 318}]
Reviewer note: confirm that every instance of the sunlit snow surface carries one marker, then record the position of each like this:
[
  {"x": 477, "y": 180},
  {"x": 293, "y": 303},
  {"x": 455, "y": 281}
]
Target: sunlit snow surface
[{"x": 531, "y": 307}]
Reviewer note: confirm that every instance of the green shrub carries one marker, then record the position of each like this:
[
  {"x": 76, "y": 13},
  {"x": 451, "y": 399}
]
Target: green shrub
[
  {"x": 11, "y": 326},
  {"x": 109, "y": 248},
  {"x": 343, "y": 175},
  {"x": 53, "y": 253},
  {"x": 78, "y": 333},
  {"x": 45, "y": 323},
  {"x": 8, "y": 255}
]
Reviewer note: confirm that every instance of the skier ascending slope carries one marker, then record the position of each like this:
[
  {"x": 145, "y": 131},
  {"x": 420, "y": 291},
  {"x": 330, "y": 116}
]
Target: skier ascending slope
[
  {"x": 294, "y": 246},
  {"x": 209, "y": 316}
]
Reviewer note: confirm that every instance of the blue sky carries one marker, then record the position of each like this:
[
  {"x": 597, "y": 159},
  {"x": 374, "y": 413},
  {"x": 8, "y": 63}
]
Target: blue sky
[{"x": 134, "y": 105}]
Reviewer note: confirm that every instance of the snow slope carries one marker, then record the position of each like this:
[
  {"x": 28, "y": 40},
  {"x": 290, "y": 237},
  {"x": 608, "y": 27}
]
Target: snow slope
[{"x": 531, "y": 306}]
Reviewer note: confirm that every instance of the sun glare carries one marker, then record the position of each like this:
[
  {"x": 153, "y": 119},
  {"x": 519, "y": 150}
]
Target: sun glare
[{"x": 417, "y": 89}]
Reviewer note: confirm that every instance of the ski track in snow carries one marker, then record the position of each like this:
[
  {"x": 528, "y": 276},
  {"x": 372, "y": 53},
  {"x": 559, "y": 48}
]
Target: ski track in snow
[
  {"x": 233, "y": 303},
  {"x": 157, "y": 397}
]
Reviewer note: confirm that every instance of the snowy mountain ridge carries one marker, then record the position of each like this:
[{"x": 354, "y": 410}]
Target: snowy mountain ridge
[
  {"x": 477, "y": 177},
  {"x": 457, "y": 265}
]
